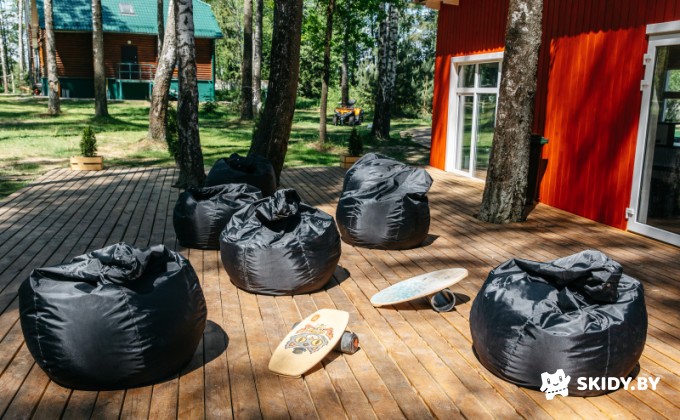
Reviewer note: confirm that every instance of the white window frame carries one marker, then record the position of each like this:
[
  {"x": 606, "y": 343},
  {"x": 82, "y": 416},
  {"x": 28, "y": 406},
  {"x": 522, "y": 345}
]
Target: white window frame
[
  {"x": 453, "y": 117},
  {"x": 660, "y": 35}
]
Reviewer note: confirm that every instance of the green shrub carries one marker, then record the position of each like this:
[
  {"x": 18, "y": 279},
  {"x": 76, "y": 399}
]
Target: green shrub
[
  {"x": 306, "y": 103},
  {"x": 355, "y": 145},
  {"x": 88, "y": 143},
  {"x": 172, "y": 136},
  {"x": 209, "y": 107}
]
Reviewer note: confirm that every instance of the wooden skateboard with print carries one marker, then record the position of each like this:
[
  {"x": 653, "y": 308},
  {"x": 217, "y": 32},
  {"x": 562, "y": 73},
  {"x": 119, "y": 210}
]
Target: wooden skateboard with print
[{"x": 310, "y": 340}]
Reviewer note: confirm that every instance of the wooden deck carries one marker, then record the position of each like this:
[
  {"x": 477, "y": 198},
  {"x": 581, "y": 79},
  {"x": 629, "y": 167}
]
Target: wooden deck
[{"x": 413, "y": 362}]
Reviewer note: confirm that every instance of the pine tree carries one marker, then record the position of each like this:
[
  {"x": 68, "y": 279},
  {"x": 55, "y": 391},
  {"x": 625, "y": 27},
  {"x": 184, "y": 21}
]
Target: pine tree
[
  {"x": 100, "y": 104},
  {"x": 273, "y": 131}
]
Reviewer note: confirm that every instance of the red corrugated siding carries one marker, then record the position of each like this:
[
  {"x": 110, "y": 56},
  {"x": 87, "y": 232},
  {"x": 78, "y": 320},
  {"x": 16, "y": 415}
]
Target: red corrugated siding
[{"x": 588, "y": 99}]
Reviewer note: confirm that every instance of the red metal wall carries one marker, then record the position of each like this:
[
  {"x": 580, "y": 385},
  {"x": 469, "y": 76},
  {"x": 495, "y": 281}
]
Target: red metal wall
[{"x": 588, "y": 99}]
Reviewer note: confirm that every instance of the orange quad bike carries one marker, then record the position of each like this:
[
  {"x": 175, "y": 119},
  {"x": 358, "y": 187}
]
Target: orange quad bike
[{"x": 348, "y": 114}]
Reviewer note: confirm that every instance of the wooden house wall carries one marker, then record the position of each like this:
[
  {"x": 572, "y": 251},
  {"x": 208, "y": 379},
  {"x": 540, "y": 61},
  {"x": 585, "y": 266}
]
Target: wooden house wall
[
  {"x": 74, "y": 54},
  {"x": 588, "y": 97}
]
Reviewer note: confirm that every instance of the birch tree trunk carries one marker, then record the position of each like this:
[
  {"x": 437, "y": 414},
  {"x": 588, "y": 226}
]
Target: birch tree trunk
[
  {"x": 387, "y": 71},
  {"x": 100, "y": 105},
  {"x": 330, "y": 9},
  {"x": 3, "y": 55},
  {"x": 191, "y": 169},
  {"x": 273, "y": 131},
  {"x": 158, "y": 114},
  {"x": 247, "y": 63},
  {"x": 21, "y": 40},
  {"x": 53, "y": 105},
  {"x": 160, "y": 25},
  {"x": 257, "y": 57},
  {"x": 35, "y": 43},
  {"x": 506, "y": 183}
]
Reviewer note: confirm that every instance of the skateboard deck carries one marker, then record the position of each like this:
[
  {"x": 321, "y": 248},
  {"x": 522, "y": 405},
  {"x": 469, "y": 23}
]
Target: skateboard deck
[
  {"x": 421, "y": 286},
  {"x": 309, "y": 342}
]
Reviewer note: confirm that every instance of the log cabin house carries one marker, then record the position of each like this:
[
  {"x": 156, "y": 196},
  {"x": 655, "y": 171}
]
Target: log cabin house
[
  {"x": 130, "y": 45},
  {"x": 607, "y": 101}
]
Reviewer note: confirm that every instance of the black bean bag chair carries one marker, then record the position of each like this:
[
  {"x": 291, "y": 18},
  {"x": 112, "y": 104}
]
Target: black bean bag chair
[
  {"x": 115, "y": 318},
  {"x": 201, "y": 214},
  {"x": 580, "y": 314},
  {"x": 280, "y": 246},
  {"x": 254, "y": 170},
  {"x": 371, "y": 169},
  {"x": 384, "y": 204}
]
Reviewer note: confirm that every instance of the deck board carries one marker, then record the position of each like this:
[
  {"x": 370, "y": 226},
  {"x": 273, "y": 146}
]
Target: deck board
[{"x": 413, "y": 362}]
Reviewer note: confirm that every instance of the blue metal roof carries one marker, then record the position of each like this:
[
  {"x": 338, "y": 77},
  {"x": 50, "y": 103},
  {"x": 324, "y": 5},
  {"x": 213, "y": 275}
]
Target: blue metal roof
[{"x": 76, "y": 15}]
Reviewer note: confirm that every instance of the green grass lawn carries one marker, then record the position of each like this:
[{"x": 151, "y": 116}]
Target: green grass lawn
[{"x": 32, "y": 142}]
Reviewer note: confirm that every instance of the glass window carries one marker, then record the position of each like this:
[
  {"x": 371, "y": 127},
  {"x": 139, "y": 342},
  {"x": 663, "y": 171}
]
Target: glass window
[
  {"x": 486, "y": 123},
  {"x": 466, "y": 76},
  {"x": 477, "y": 101},
  {"x": 672, "y": 80},
  {"x": 659, "y": 204},
  {"x": 465, "y": 132},
  {"x": 488, "y": 75}
]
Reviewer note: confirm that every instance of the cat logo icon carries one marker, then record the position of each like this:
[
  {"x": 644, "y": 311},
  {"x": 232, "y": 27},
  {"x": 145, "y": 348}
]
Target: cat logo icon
[{"x": 555, "y": 384}]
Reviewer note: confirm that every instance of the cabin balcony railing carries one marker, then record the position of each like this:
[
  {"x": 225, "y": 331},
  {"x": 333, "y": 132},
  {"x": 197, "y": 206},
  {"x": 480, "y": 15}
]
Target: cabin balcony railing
[{"x": 136, "y": 72}]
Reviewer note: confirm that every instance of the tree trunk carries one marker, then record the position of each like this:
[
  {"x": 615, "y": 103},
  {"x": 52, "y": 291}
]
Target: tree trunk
[
  {"x": 21, "y": 40},
  {"x": 35, "y": 43},
  {"x": 53, "y": 106},
  {"x": 387, "y": 71},
  {"x": 161, "y": 26},
  {"x": 100, "y": 105},
  {"x": 330, "y": 9},
  {"x": 247, "y": 63},
  {"x": 344, "y": 68},
  {"x": 191, "y": 169},
  {"x": 257, "y": 57},
  {"x": 506, "y": 183},
  {"x": 273, "y": 131},
  {"x": 3, "y": 56},
  {"x": 158, "y": 114}
]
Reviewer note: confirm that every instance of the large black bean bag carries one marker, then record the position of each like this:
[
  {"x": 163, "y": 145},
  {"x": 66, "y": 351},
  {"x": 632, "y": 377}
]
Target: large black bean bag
[
  {"x": 580, "y": 314},
  {"x": 369, "y": 170},
  {"x": 201, "y": 214},
  {"x": 280, "y": 246},
  {"x": 384, "y": 204},
  {"x": 115, "y": 318},
  {"x": 254, "y": 170}
]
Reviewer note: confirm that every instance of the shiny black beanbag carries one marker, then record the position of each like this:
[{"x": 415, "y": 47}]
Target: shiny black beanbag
[
  {"x": 371, "y": 169},
  {"x": 115, "y": 318},
  {"x": 254, "y": 170},
  {"x": 280, "y": 246},
  {"x": 384, "y": 204},
  {"x": 201, "y": 214},
  {"x": 580, "y": 314}
]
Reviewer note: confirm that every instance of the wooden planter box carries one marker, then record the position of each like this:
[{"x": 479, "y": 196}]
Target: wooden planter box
[
  {"x": 82, "y": 163},
  {"x": 347, "y": 161}
]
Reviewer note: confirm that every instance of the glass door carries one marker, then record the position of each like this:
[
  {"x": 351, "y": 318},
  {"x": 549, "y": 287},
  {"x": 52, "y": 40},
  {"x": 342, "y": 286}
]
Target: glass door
[
  {"x": 477, "y": 97},
  {"x": 655, "y": 202}
]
